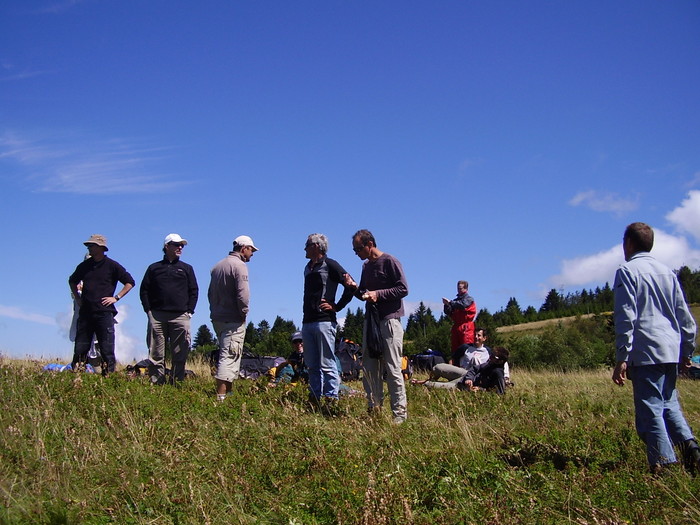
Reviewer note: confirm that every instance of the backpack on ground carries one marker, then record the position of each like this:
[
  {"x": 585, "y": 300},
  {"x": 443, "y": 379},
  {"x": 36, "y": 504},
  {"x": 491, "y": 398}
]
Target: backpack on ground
[
  {"x": 349, "y": 353},
  {"x": 426, "y": 362},
  {"x": 406, "y": 367},
  {"x": 254, "y": 366}
]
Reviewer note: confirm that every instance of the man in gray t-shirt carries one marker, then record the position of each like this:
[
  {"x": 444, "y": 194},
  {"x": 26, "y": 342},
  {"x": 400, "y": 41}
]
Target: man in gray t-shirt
[{"x": 383, "y": 284}]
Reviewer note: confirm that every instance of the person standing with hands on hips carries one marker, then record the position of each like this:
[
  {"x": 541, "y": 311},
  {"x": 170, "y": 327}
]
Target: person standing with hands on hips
[
  {"x": 654, "y": 333},
  {"x": 322, "y": 275},
  {"x": 383, "y": 284},
  {"x": 99, "y": 275}
]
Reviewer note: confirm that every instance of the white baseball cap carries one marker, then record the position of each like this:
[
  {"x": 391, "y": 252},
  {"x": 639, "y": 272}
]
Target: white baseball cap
[
  {"x": 174, "y": 237},
  {"x": 244, "y": 240}
]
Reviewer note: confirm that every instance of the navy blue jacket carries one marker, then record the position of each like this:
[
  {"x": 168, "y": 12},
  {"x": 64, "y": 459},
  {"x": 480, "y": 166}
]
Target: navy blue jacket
[{"x": 169, "y": 287}]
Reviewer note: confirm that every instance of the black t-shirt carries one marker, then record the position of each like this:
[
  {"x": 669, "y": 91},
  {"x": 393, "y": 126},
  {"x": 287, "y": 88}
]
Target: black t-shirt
[{"x": 99, "y": 280}]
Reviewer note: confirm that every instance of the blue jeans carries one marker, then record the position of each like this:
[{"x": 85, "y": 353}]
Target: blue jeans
[
  {"x": 101, "y": 325},
  {"x": 658, "y": 416},
  {"x": 319, "y": 357}
]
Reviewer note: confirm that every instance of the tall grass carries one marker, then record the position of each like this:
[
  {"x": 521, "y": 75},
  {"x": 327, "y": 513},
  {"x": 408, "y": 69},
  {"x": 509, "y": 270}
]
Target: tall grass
[{"x": 557, "y": 448}]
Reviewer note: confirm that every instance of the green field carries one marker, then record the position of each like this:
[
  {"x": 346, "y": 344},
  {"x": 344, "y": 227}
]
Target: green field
[{"x": 558, "y": 448}]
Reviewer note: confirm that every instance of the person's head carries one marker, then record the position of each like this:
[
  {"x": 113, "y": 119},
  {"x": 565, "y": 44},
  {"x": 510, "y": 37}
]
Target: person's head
[
  {"x": 363, "y": 243},
  {"x": 245, "y": 246},
  {"x": 96, "y": 246},
  {"x": 316, "y": 246},
  {"x": 480, "y": 336},
  {"x": 638, "y": 237},
  {"x": 499, "y": 355},
  {"x": 172, "y": 246},
  {"x": 462, "y": 287},
  {"x": 297, "y": 341}
]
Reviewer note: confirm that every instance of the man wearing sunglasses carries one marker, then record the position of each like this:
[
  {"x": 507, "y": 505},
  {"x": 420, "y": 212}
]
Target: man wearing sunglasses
[{"x": 169, "y": 295}]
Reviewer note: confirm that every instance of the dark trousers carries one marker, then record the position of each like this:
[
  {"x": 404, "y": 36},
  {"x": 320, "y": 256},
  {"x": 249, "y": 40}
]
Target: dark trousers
[
  {"x": 492, "y": 378},
  {"x": 101, "y": 326}
]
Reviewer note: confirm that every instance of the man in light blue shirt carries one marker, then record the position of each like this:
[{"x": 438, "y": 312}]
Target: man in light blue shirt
[{"x": 654, "y": 333}]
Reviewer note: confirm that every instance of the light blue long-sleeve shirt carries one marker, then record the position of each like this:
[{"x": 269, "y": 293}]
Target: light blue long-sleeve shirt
[{"x": 653, "y": 324}]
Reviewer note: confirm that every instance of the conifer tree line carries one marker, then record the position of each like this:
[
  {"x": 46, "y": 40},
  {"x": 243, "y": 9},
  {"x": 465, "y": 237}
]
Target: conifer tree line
[{"x": 581, "y": 344}]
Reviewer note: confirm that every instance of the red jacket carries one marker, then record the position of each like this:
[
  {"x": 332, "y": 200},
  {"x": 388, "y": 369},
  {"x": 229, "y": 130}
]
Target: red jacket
[{"x": 462, "y": 311}]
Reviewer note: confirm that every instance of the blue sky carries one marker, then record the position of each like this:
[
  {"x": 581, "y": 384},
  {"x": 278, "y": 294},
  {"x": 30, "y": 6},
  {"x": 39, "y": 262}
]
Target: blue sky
[{"x": 503, "y": 142}]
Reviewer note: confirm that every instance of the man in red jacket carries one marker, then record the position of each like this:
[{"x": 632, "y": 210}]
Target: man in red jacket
[{"x": 462, "y": 311}]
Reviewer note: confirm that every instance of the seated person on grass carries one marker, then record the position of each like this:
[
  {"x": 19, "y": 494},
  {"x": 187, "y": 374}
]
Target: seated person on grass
[
  {"x": 469, "y": 356},
  {"x": 489, "y": 375},
  {"x": 481, "y": 376},
  {"x": 293, "y": 369}
]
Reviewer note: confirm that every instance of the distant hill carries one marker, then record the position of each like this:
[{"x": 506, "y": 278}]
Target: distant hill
[
  {"x": 539, "y": 325},
  {"x": 536, "y": 326}
]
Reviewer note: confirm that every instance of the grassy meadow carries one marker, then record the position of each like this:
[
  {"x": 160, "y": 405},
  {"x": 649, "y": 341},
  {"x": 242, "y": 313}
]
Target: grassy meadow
[{"x": 557, "y": 448}]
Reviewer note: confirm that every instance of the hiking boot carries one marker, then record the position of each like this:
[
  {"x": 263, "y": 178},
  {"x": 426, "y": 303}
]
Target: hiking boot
[
  {"x": 330, "y": 407},
  {"x": 691, "y": 456},
  {"x": 374, "y": 412},
  {"x": 657, "y": 470},
  {"x": 399, "y": 420},
  {"x": 314, "y": 403}
]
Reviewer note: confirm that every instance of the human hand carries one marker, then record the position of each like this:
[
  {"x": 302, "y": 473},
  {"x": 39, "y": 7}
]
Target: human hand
[
  {"x": 620, "y": 373},
  {"x": 370, "y": 296},
  {"x": 326, "y": 306},
  {"x": 349, "y": 281},
  {"x": 107, "y": 301}
]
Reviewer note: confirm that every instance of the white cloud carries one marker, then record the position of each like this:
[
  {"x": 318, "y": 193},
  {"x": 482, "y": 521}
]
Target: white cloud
[
  {"x": 671, "y": 250},
  {"x": 686, "y": 217},
  {"x": 15, "y": 312},
  {"x": 597, "y": 268},
  {"x": 87, "y": 167},
  {"x": 604, "y": 202},
  {"x": 22, "y": 75},
  {"x": 126, "y": 347}
]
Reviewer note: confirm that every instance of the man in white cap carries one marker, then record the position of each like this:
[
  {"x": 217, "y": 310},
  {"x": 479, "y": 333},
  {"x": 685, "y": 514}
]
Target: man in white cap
[
  {"x": 99, "y": 275},
  {"x": 229, "y": 296},
  {"x": 169, "y": 295}
]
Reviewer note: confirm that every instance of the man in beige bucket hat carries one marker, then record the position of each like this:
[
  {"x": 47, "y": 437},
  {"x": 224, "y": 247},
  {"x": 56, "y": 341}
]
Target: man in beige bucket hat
[{"x": 99, "y": 275}]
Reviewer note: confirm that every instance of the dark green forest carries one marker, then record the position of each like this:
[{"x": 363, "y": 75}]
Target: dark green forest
[{"x": 586, "y": 342}]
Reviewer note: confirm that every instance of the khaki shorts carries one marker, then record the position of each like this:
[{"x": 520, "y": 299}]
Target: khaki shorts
[{"x": 230, "y": 336}]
